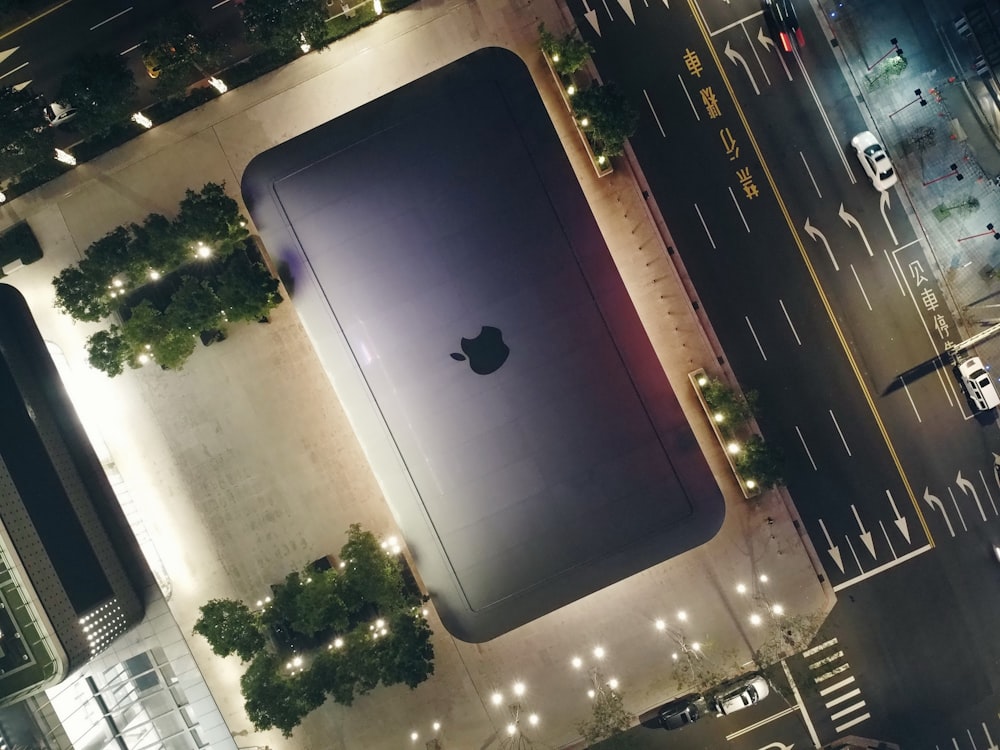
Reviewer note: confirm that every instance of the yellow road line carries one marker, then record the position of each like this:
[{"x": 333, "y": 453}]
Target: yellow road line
[
  {"x": 30, "y": 21},
  {"x": 812, "y": 272}
]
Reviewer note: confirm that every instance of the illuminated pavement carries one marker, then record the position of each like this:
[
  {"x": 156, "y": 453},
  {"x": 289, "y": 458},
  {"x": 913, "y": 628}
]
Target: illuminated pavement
[{"x": 245, "y": 466}]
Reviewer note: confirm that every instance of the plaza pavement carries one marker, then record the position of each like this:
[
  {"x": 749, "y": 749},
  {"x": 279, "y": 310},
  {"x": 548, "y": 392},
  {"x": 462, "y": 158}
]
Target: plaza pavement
[{"x": 245, "y": 467}]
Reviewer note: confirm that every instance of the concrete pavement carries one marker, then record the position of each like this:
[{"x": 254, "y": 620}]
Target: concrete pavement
[{"x": 244, "y": 465}]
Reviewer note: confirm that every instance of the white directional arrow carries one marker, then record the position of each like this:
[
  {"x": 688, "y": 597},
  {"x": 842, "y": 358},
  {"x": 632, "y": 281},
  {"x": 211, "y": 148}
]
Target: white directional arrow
[
  {"x": 766, "y": 41},
  {"x": 818, "y": 237},
  {"x": 627, "y": 7},
  {"x": 883, "y": 205},
  {"x": 777, "y": 746},
  {"x": 996, "y": 468},
  {"x": 22, "y": 85},
  {"x": 967, "y": 488},
  {"x": 936, "y": 503},
  {"x": 667, "y": 3},
  {"x": 900, "y": 521},
  {"x": 737, "y": 59},
  {"x": 852, "y": 222},
  {"x": 832, "y": 548},
  {"x": 591, "y": 16},
  {"x": 992, "y": 745},
  {"x": 866, "y": 536},
  {"x": 4, "y": 54}
]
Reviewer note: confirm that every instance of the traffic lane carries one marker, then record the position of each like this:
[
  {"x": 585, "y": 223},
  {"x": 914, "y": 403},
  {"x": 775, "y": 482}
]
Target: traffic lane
[{"x": 921, "y": 645}]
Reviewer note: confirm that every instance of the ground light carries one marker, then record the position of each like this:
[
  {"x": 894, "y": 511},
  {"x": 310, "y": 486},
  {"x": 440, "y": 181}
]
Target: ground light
[{"x": 140, "y": 119}]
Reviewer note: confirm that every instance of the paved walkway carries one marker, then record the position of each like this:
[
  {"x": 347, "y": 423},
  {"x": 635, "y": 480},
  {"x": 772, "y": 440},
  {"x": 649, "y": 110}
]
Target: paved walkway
[{"x": 244, "y": 465}]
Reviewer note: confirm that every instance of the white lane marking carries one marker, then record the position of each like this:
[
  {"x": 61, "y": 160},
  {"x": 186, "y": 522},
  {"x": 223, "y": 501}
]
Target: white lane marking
[
  {"x": 22, "y": 65},
  {"x": 816, "y": 649},
  {"x": 806, "y": 447},
  {"x": 737, "y": 204},
  {"x": 849, "y": 710},
  {"x": 832, "y": 673},
  {"x": 840, "y": 432},
  {"x": 912, "y": 405},
  {"x": 853, "y": 553},
  {"x": 705, "y": 226},
  {"x": 794, "y": 332},
  {"x": 988, "y": 493},
  {"x": 8, "y": 52},
  {"x": 852, "y": 722},
  {"x": 759, "y": 724},
  {"x": 654, "y": 113},
  {"x": 800, "y": 703},
  {"x": 837, "y": 146},
  {"x": 969, "y": 732},
  {"x": 826, "y": 660},
  {"x": 22, "y": 85},
  {"x": 886, "y": 535},
  {"x": 836, "y": 686},
  {"x": 892, "y": 267},
  {"x": 132, "y": 48},
  {"x": 842, "y": 698},
  {"x": 112, "y": 18},
  {"x": 810, "y": 173},
  {"x": 747, "y": 319},
  {"x": 957, "y": 509},
  {"x": 219, "y": 5},
  {"x": 693, "y": 108},
  {"x": 818, "y": 236},
  {"x": 734, "y": 23},
  {"x": 861, "y": 287},
  {"x": 754, "y": 48},
  {"x": 875, "y": 571}
]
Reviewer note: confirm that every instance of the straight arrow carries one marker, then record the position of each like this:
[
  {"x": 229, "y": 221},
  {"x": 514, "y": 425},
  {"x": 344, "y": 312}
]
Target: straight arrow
[
  {"x": 883, "y": 205},
  {"x": 819, "y": 237},
  {"x": 627, "y": 7},
  {"x": 852, "y": 222},
  {"x": 936, "y": 503},
  {"x": 992, "y": 745},
  {"x": 866, "y": 536},
  {"x": 591, "y": 16},
  {"x": 967, "y": 488},
  {"x": 737, "y": 59},
  {"x": 899, "y": 521},
  {"x": 832, "y": 548}
]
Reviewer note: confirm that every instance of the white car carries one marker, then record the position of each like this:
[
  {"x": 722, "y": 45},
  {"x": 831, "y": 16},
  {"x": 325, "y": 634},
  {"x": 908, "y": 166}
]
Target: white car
[
  {"x": 739, "y": 694},
  {"x": 56, "y": 114},
  {"x": 874, "y": 160},
  {"x": 978, "y": 384}
]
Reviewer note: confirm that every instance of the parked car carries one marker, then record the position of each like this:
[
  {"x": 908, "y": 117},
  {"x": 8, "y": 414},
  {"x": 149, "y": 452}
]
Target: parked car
[
  {"x": 783, "y": 23},
  {"x": 874, "y": 160},
  {"x": 56, "y": 114},
  {"x": 681, "y": 712},
  {"x": 978, "y": 384},
  {"x": 738, "y": 694}
]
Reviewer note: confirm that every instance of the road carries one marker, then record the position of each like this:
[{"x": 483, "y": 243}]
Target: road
[
  {"x": 38, "y": 53},
  {"x": 826, "y": 304}
]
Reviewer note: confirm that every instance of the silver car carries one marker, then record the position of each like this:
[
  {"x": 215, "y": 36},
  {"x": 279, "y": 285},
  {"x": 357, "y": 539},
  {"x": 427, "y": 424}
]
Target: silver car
[
  {"x": 874, "y": 160},
  {"x": 739, "y": 694}
]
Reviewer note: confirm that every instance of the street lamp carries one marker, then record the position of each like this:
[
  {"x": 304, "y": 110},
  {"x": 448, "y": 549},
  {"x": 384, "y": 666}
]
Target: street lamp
[
  {"x": 920, "y": 98},
  {"x": 989, "y": 230},
  {"x": 514, "y": 735},
  {"x": 953, "y": 173},
  {"x": 894, "y": 48}
]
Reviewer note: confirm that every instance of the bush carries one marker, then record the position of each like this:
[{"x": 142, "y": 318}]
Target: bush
[
  {"x": 568, "y": 53},
  {"x": 611, "y": 118},
  {"x": 736, "y": 409},
  {"x": 761, "y": 463}
]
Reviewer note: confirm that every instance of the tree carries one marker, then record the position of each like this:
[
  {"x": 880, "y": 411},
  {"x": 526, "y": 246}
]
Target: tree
[
  {"x": 760, "y": 462},
  {"x": 103, "y": 90},
  {"x": 319, "y": 605},
  {"x": 148, "y": 330},
  {"x": 25, "y": 138},
  {"x": 193, "y": 307},
  {"x": 247, "y": 291},
  {"x": 177, "y": 52},
  {"x": 609, "y": 717},
  {"x": 272, "y": 699},
  {"x": 405, "y": 654},
  {"x": 155, "y": 244},
  {"x": 230, "y": 628},
  {"x": 370, "y": 575},
  {"x": 108, "y": 351},
  {"x": 211, "y": 217},
  {"x": 736, "y": 408},
  {"x": 567, "y": 53},
  {"x": 611, "y": 117},
  {"x": 81, "y": 292},
  {"x": 283, "y": 25}
]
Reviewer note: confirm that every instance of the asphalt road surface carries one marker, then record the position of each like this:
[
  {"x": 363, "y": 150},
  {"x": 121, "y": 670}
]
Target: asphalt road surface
[{"x": 826, "y": 304}]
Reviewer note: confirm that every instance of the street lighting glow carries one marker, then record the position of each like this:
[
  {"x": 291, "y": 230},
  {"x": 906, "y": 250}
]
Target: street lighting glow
[
  {"x": 674, "y": 656},
  {"x": 591, "y": 693},
  {"x": 496, "y": 698},
  {"x": 533, "y": 720},
  {"x": 740, "y": 588},
  {"x": 140, "y": 119},
  {"x": 555, "y": 57},
  {"x": 682, "y": 616},
  {"x": 519, "y": 688},
  {"x": 719, "y": 417},
  {"x": 613, "y": 683},
  {"x": 218, "y": 85},
  {"x": 778, "y": 609},
  {"x": 751, "y": 484},
  {"x": 512, "y": 729},
  {"x": 436, "y": 726},
  {"x": 755, "y": 619},
  {"x": 733, "y": 448},
  {"x": 702, "y": 381},
  {"x": 414, "y": 736},
  {"x": 598, "y": 652},
  {"x": 696, "y": 646},
  {"x": 661, "y": 625},
  {"x": 763, "y": 578},
  {"x": 154, "y": 274},
  {"x": 577, "y": 662},
  {"x": 571, "y": 89}
]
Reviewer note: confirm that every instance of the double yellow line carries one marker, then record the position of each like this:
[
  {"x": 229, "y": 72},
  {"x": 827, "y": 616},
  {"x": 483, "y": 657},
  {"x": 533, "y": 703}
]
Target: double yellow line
[{"x": 812, "y": 271}]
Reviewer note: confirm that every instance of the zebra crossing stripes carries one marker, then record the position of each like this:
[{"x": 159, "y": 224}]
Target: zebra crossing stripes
[{"x": 842, "y": 698}]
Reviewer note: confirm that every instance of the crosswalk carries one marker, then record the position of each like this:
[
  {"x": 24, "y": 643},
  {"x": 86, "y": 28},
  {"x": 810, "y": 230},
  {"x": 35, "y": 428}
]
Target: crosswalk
[{"x": 838, "y": 690}]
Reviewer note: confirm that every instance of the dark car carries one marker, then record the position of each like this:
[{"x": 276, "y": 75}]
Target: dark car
[
  {"x": 783, "y": 23},
  {"x": 679, "y": 713}
]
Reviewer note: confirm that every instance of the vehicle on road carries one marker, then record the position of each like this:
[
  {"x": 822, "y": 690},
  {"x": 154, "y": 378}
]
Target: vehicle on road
[
  {"x": 681, "y": 712},
  {"x": 56, "y": 114},
  {"x": 738, "y": 694},
  {"x": 978, "y": 384},
  {"x": 783, "y": 23},
  {"x": 874, "y": 160}
]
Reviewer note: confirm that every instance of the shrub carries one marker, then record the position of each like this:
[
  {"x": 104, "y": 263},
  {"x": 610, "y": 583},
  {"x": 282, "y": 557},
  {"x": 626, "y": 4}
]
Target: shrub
[
  {"x": 611, "y": 118},
  {"x": 736, "y": 409},
  {"x": 760, "y": 462},
  {"x": 568, "y": 53}
]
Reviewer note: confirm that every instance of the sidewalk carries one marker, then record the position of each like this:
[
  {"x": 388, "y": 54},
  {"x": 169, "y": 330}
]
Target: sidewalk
[
  {"x": 957, "y": 127},
  {"x": 244, "y": 464}
]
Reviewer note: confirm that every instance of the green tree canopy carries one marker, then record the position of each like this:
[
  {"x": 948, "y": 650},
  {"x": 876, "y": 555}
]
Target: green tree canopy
[
  {"x": 177, "y": 51},
  {"x": 81, "y": 292},
  {"x": 194, "y": 307},
  {"x": 283, "y": 24},
  {"x": 319, "y": 605},
  {"x": 612, "y": 118},
  {"x": 273, "y": 699},
  {"x": 25, "y": 138},
  {"x": 230, "y": 628},
  {"x": 103, "y": 90},
  {"x": 760, "y": 462},
  {"x": 108, "y": 351},
  {"x": 568, "y": 53},
  {"x": 247, "y": 291},
  {"x": 370, "y": 575},
  {"x": 211, "y": 217}
]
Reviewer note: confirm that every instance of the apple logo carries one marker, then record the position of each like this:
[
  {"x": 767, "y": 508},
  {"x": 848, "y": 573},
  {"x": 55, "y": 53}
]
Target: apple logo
[{"x": 486, "y": 353}]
